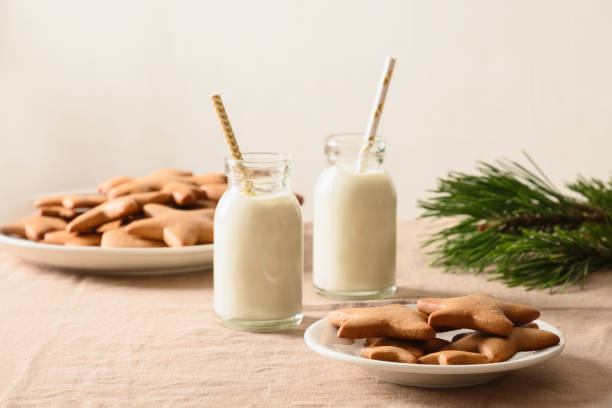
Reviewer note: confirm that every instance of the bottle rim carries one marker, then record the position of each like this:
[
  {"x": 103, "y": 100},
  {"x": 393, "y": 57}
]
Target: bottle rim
[
  {"x": 259, "y": 159},
  {"x": 353, "y": 139}
]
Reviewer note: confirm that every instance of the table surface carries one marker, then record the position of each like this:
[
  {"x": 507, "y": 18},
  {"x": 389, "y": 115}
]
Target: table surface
[{"x": 72, "y": 340}]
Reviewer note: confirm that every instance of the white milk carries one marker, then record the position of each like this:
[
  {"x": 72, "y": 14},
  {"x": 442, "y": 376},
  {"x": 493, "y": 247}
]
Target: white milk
[
  {"x": 354, "y": 232},
  {"x": 258, "y": 258}
]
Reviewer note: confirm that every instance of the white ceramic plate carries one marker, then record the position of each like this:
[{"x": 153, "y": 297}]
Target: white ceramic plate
[
  {"x": 112, "y": 261},
  {"x": 321, "y": 337}
]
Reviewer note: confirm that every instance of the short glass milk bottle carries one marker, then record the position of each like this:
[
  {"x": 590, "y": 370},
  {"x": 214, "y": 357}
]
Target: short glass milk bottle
[
  {"x": 354, "y": 222},
  {"x": 258, "y": 250}
]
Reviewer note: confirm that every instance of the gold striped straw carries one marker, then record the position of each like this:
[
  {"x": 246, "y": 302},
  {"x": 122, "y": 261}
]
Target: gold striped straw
[
  {"x": 379, "y": 102},
  {"x": 230, "y": 138}
]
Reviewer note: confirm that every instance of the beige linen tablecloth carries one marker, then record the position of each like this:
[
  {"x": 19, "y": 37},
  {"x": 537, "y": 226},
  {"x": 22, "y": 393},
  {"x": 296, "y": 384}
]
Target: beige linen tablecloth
[{"x": 80, "y": 340}]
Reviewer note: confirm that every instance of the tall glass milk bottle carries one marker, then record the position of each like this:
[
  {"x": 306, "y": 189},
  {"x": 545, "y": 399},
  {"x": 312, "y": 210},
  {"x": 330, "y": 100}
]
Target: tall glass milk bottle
[
  {"x": 258, "y": 250},
  {"x": 354, "y": 222}
]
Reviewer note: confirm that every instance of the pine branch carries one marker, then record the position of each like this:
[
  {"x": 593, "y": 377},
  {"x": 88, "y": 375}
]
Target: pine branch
[{"x": 514, "y": 224}]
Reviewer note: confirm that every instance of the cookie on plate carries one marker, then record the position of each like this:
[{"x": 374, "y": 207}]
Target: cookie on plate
[
  {"x": 115, "y": 209},
  {"x": 478, "y": 311},
  {"x": 119, "y": 238},
  {"x": 400, "y": 351},
  {"x": 396, "y": 321},
  {"x": 34, "y": 227},
  {"x": 453, "y": 357},
  {"x": 501, "y": 348},
  {"x": 175, "y": 227}
]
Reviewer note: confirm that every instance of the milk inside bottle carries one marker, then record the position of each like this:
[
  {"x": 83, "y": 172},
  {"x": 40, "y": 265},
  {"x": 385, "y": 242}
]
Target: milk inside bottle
[
  {"x": 258, "y": 249},
  {"x": 354, "y": 222}
]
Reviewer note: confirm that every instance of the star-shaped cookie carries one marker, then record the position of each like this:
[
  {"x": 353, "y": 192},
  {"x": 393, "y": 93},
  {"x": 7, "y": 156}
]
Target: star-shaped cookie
[
  {"x": 383, "y": 321},
  {"x": 34, "y": 228},
  {"x": 63, "y": 237},
  {"x": 72, "y": 201},
  {"x": 88, "y": 239},
  {"x": 501, "y": 348},
  {"x": 478, "y": 311},
  {"x": 180, "y": 184},
  {"x": 57, "y": 211},
  {"x": 119, "y": 238},
  {"x": 210, "y": 178},
  {"x": 115, "y": 209},
  {"x": 175, "y": 227},
  {"x": 453, "y": 357},
  {"x": 213, "y": 192},
  {"x": 400, "y": 351}
]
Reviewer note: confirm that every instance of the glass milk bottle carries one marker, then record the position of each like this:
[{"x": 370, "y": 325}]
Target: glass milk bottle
[
  {"x": 258, "y": 249},
  {"x": 354, "y": 222}
]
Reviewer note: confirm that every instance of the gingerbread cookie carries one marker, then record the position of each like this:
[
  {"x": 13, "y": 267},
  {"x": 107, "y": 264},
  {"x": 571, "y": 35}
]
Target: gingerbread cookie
[
  {"x": 64, "y": 237},
  {"x": 57, "y": 237},
  {"x": 213, "y": 192},
  {"x": 478, "y": 311},
  {"x": 119, "y": 238},
  {"x": 34, "y": 227},
  {"x": 111, "y": 225},
  {"x": 453, "y": 357},
  {"x": 57, "y": 211},
  {"x": 115, "y": 209},
  {"x": 384, "y": 321},
  {"x": 500, "y": 348},
  {"x": 210, "y": 178},
  {"x": 179, "y": 184},
  {"x": 105, "y": 186},
  {"x": 400, "y": 351},
  {"x": 175, "y": 227},
  {"x": 72, "y": 201},
  {"x": 199, "y": 205},
  {"x": 89, "y": 239}
]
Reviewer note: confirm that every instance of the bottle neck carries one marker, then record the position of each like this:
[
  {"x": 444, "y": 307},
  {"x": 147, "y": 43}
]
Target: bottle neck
[
  {"x": 261, "y": 173},
  {"x": 349, "y": 152}
]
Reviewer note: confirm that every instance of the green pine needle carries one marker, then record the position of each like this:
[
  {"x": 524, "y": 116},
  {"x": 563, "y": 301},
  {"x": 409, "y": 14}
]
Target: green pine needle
[{"x": 512, "y": 223}]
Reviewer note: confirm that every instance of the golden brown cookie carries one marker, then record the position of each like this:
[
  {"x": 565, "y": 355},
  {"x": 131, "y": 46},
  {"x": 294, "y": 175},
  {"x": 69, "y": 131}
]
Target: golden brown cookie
[
  {"x": 175, "y": 227},
  {"x": 199, "y": 205},
  {"x": 500, "y": 348},
  {"x": 210, "y": 178},
  {"x": 478, "y": 311},
  {"x": 57, "y": 211},
  {"x": 179, "y": 184},
  {"x": 383, "y": 321},
  {"x": 119, "y": 238},
  {"x": 57, "y": 237},
  {"x": 115, "y": 209},
  {"x": 88, "y": 239},
  {"x": 213, "y": 191},
  {"x": 390, "y": 353},
  {"x": 111, "y": 225},
  {"x": 400, "y": 351},
  {"x": 105, "y": 186},
  {"x": 34, "y": 227},
  {"x": 64, "y": 237},
  {"x": 453, "y": 357},
  {"x": 72, "y": 201}
]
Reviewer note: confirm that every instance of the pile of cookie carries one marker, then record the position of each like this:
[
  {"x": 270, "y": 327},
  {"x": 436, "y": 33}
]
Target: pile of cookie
[
  {"x": 400, "y": 334},
  {"x": 166, "y": 208}
]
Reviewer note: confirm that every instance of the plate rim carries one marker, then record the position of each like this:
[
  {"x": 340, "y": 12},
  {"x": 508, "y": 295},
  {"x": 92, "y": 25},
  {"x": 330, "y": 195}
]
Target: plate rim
[{"x": 409, "y": 368}]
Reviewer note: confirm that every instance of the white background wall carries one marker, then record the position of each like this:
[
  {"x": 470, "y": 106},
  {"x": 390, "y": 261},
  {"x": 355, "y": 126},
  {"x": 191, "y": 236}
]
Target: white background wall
[{"x": 90, "y": 89}]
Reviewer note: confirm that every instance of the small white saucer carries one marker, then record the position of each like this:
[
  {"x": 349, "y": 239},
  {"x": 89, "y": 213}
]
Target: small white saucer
[
  {"x": 321, "y": 338},
  {"x": 108, "y": 261}
]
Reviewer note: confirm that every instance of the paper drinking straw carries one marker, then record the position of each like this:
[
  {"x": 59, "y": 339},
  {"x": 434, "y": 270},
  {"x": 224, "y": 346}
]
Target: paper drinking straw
[
  {"x": 379, "y": 102},
  {"x": 230, "y": 138}
]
